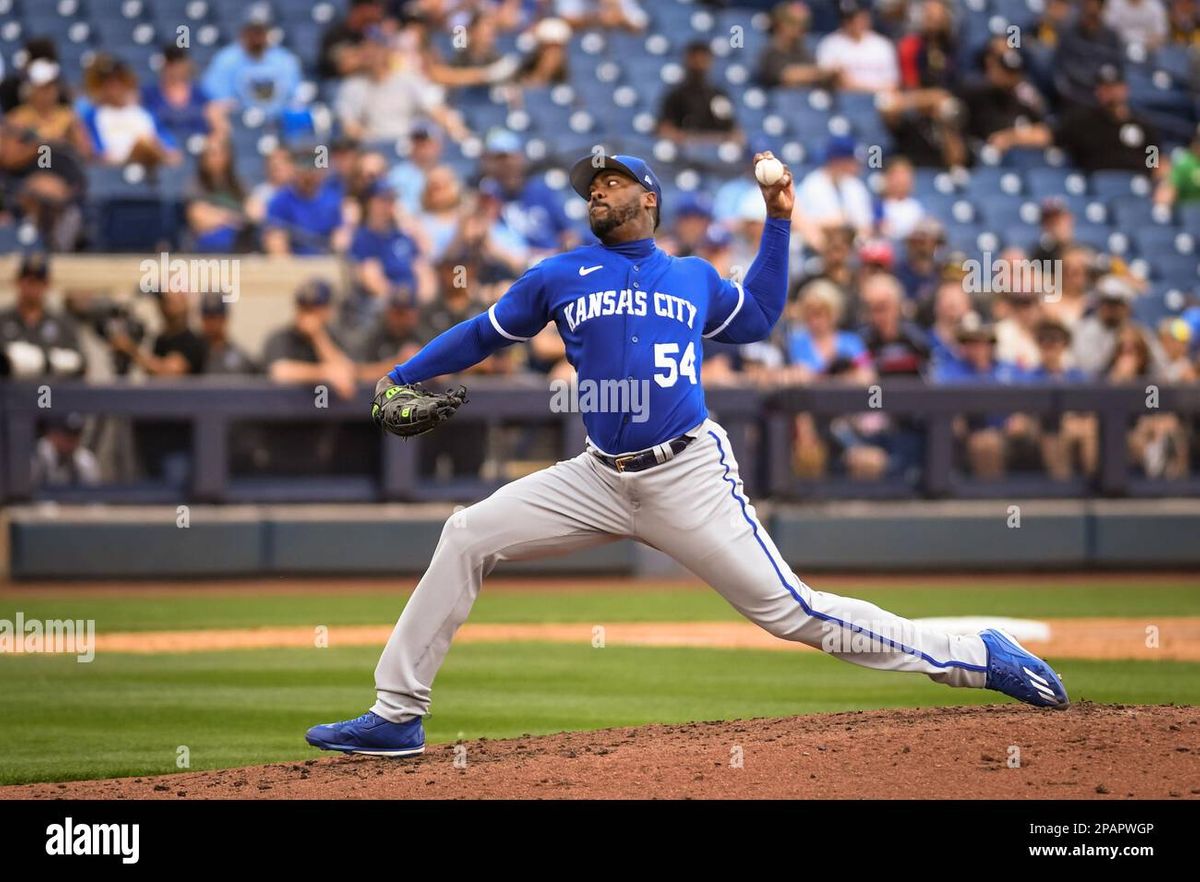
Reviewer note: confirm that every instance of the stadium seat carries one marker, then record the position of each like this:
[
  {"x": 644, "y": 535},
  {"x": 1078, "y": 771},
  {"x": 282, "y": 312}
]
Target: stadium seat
[
  {"x": 1022, "y": 236},
  {"x": 1111, "y": 184},
  {"x": 1155, "y": 240},
  {"x": 1132, "y": 212},
  {"x": 1055, "y": 182},
  {"x": 1175, "y": 269}
]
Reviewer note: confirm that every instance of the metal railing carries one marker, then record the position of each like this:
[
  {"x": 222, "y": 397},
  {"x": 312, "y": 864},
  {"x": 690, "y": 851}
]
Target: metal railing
[{"x": 758, "y": 420}]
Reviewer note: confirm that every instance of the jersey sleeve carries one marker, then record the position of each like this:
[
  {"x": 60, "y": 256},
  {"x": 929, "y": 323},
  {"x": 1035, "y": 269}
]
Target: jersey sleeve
[
  {"x": 727, "y": 300},
  {"x": 523, "y": 311}
]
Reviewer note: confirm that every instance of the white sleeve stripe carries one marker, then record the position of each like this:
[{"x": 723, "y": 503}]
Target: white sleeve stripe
[
  {"x": 736, "y": 310},
  {"x": 500, "y": 330}
]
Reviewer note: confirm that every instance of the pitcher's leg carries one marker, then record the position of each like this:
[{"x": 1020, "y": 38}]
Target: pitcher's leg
[
  {"x": 566, "y": 507},
  {"x": 714, "y": 531}
]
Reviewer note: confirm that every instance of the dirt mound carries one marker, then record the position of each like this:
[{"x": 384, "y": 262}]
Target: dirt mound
[{"x": 1088, "y": 750}]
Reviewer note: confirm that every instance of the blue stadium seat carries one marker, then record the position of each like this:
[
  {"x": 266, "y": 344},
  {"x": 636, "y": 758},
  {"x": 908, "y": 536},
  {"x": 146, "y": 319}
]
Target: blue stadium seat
[
  {"x": 1098, "y": 236},
  {"x": 1110, "y": 184},
  {"x": 1001, "y": 211},
  {"x": 1189, "y": 215},
  {"x": 1055, "y": 181},
  {"x": 1132, "y": 212},
  {"x": 1175, "y": 269},
  {"x": 1154, "y": 241},
  {"x": 987, "y": 182},
  {"x": 1023, "y": 236}
]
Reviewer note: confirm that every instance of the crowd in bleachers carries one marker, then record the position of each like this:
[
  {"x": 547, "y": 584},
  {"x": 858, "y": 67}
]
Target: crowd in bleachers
[{"x": 424, "y": 143}]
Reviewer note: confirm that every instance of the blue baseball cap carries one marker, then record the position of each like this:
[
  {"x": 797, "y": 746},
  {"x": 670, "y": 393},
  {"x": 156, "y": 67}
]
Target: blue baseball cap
[
  {"x": 695, "y": 205},
  {"x": 839, "y": 147},
  {"x": 314, "y": 292},
  {"x": 585, "y": 169}
]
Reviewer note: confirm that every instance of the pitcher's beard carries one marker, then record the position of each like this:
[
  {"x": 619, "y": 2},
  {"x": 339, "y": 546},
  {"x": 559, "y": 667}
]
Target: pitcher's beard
[{"x": 611, "y": 219}]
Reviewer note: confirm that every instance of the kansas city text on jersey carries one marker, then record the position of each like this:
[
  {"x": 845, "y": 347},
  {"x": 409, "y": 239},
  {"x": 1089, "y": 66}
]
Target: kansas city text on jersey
[{"x": 627, "y": 302}]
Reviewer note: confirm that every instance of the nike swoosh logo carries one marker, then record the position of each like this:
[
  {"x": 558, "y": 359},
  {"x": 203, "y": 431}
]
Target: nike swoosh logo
[{"x": 584, "y": 270}]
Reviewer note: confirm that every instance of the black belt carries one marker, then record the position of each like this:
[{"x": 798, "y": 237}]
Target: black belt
[{"x": 645, "y": 459}]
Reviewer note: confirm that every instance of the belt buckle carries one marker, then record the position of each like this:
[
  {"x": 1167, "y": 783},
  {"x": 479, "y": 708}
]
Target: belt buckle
[{"x": 620, "y": 461}]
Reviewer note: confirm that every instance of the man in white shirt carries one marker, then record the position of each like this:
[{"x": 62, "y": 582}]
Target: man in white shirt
[
  {"x": 863, "y": 60},
  {"x": 1143, "y": 22},
  {"x": 833, "y": 195}
]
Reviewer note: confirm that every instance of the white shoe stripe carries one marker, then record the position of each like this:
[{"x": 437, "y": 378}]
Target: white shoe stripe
[{"x": 1036, "y": 677}]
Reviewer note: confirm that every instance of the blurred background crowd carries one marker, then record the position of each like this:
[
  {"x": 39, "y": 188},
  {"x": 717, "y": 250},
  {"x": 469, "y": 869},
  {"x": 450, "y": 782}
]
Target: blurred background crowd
[{"x": 939, "y": 148}]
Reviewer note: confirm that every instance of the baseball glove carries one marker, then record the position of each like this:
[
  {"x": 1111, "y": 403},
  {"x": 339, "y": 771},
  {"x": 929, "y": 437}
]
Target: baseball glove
[{"x": 413, "y": 410}]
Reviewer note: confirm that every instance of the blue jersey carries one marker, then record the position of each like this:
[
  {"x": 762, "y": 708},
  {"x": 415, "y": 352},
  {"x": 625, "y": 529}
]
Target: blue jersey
[{"x": 629, "y": 313}]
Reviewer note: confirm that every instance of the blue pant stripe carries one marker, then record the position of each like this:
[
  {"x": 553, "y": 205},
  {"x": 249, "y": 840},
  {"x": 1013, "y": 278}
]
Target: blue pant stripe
[{"x": 800, "y": 600}]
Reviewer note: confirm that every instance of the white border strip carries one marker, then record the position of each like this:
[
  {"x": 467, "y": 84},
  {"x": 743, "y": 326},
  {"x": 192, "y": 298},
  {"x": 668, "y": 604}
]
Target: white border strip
[
  {"x": 736, "y": 310},
  {"x": 500, "y": 330}
]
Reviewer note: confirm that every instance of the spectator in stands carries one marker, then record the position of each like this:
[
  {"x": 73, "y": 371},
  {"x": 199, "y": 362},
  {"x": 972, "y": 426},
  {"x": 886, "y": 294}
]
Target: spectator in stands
[
  {"x": 815, "y": 346},
  {"x": 1055, "y": 19},
  {"x": 1158, "y": 440},
  {"x": 1184, "y": 20},
  {"x": 179, "y": 104},
  {"x": 625, "y": 15},
  {"x": 1005, "y": 110},
  {"x": 547, "y": 64},
  {"x": 384, "y": 257},
  {"x": 177, "y": 349},
  {"x": 951, "y": 305},
  {"x": 860, "y": 59},
  {"x": 1016, "y": 340},
  {"x": 252, "y": 72},
  {"x": 897, "y": 347},
  {"x": 383, "y": 101},
  {"x": 1180, "y": 181},
  {"x": 919, "y": 271},
  {"x": 787, "y": 60},
  {"x": 716, "y": 246},
  {"x": 1175, "y": 340},
  {"x": 306, "y": 216},
  {"x": 1097, "y": 335},
  {"x": 221, "y": 355},
  {"x": 122, "y": 130},
  {"x": 280, "y": 173},
  {"x": 990, "y": 439},
  {"x": 395, "y": 337},
  {"x": 1071, "y": 437},
  {"x": 485, "y": 241},
  {"x": 308, "y": 350},
  {"x": 35, "y": 341},
  {"x": 1071, "y": 301},
  {"x": 1084, "y": 47},
  {"x": 833, "y": 194},
  {"x": 456, "y": 304},
  {"x": 928, "y": 55},
  {"x": 1138, "y": 22},
  {"x": 835, "y": 264},
  {"x": 693, "y": 217},
  {"x": 441, "y": 209},
  {"x": 1111, "y": 135},
  {"x": 407, "y": 177},
  {"x": 340, "y": 55},
  {"x": 897, "y": 211},
  {"x": 13, "y": 82},
  {"x": 531, "y": 210},
  {"x": 695, "y": 108},
  {"x": 215, "y": 199},
  {"x": 747, "y": 223},
  {"x": 1058, "y": 229},
  {"x": 60, "y": 459}
]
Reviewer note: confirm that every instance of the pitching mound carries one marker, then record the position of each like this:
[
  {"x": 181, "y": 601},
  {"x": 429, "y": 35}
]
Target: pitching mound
[{"x": 1003, "y": 751}]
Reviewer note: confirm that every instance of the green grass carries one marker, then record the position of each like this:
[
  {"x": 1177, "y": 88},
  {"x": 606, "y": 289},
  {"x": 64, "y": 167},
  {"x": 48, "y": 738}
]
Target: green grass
[
  {"x": 128, "y": 714},
  {"x": 1030, "y": 598}
]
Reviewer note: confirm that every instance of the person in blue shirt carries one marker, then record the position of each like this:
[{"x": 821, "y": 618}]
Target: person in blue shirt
[
  {"x": 306, "y": 217},
  {"x": 531, "y": 209},
  {"x": 178, "y": 103},
  {"x": 816, "y": 346},
  {"x": 656, "y": 467},
  {"x": 252, "y": 72},
  {"x": 992, "y": 440},
  {"x": 1069, "y": 441},
  {"x": 384, "y": 256}
]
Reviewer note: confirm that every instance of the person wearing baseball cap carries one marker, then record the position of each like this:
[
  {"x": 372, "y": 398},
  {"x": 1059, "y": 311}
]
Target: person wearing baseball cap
[
  {"x": 251, "y": 72},
  {"x": 222, "y": 355},
  {"x": 1097, "y": 334},
  {"x": 308, "y": 350},
  {"x": 531, "y": 208},
  {"x": 35, "y": 340},
  {"x": 1107, "y": 133},
  {"x": 1005, "y": 110},
  {"x": 695, "y": 108}
]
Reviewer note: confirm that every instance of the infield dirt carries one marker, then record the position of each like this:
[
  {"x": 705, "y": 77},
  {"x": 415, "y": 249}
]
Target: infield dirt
[{"x": 1000, "y": 751}]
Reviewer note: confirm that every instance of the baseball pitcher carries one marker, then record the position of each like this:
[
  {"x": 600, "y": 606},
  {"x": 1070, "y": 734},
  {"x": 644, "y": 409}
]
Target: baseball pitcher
[{"x": 629, "y": 312}]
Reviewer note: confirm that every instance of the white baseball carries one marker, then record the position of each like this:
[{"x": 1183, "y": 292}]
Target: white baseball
[{"x": 768, "y": 171}]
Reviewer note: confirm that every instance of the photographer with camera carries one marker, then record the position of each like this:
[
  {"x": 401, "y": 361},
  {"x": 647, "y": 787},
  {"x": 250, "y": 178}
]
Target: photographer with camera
[{"x": 34, "y": 341}]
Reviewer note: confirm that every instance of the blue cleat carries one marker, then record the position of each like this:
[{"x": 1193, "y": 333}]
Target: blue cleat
[
  {"x": 370, "y": 734},
  {"x": 1015, "y": 671}
]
